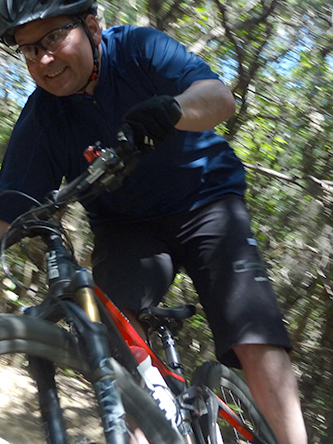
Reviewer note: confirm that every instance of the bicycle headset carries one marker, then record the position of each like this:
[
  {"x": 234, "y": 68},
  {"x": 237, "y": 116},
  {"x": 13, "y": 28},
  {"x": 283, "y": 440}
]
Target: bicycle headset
[{"x": 15, "y": 13}]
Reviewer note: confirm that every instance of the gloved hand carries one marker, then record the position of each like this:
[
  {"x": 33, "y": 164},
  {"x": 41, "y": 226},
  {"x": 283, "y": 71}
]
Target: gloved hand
[{"x": 147, "y": 124}]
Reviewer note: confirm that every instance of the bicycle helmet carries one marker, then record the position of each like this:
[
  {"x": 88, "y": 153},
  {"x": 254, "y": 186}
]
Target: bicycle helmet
[{"x": 15, "y": 13}]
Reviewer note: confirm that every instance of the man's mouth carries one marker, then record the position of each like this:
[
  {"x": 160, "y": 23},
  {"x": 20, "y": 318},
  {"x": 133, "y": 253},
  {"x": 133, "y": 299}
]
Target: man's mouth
[{"x": 56, "y": 73}]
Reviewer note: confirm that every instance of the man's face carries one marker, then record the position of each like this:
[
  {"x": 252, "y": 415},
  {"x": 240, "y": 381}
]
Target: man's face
[{"x": 67, "y": 70}]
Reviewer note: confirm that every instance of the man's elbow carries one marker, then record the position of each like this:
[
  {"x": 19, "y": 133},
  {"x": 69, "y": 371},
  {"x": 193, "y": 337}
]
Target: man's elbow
[{"x": 229, "y": 103}]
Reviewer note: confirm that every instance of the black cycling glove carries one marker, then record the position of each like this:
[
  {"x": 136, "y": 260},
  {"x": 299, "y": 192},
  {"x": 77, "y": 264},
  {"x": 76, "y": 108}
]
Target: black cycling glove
[{"x": 149, "y": 123}]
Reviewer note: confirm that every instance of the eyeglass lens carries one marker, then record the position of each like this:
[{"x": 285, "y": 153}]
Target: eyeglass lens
[{"x": 50, "y": 42}]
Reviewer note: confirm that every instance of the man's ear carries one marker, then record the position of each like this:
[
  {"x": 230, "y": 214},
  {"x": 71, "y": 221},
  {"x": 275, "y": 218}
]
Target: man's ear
[{"x": 94, "y": 28}]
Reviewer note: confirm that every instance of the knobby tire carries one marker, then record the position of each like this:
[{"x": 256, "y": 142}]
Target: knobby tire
[
  {"x": 233, "y": 391},
  {"x": 37, "y": 337}
]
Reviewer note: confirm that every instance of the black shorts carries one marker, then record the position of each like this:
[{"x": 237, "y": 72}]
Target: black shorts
[{"x": 135, "y": 264}]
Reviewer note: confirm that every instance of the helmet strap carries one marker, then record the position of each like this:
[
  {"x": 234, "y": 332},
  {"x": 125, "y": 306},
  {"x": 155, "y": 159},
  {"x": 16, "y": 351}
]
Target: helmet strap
[{"x": 95, "y": 72}]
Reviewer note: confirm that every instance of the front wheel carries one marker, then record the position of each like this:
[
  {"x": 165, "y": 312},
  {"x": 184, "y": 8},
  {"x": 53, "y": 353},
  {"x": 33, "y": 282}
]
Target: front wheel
[
  {"x": 42, "y": 339},
  {"x": 233, "y": 391}
]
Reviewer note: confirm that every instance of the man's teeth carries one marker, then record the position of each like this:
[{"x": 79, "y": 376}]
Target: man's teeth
[{"x": 55, "y": 74}]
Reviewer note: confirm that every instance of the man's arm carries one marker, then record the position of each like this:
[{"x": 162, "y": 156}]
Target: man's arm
[
  {"x": 3, "y": 227},
  {"x": 205, "y": 104}
]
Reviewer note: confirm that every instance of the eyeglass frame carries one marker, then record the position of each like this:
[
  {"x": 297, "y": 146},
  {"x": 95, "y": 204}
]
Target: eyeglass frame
[{"x": 38, "y": 44}]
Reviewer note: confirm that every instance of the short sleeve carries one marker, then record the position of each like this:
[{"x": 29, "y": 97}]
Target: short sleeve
[{"x": 167, "y": 63}]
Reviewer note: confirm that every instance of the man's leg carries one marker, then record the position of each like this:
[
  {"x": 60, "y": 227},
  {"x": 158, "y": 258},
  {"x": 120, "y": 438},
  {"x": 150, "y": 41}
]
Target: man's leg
[
  {"x": 273, "y": 385},
  {"x": 222, "y": 258}
]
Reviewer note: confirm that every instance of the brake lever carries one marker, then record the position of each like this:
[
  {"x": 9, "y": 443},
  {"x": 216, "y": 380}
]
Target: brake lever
[{"x": 114, "y": 164}]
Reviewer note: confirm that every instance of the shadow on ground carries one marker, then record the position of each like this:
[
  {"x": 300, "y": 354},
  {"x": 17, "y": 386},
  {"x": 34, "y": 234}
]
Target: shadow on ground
[{"x": 20, "y": 421}]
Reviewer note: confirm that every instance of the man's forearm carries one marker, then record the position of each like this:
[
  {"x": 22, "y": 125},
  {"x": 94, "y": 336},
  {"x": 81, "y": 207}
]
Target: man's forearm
[{"x": 205, "y": 104}]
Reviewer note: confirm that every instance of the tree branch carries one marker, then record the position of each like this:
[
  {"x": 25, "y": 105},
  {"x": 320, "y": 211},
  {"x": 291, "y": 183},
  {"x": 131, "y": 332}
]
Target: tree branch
[
  {"x": 314, "y": 347},
  {"x": 323, "y": 185},
  {"x": 272, "y": 174},
  {"x": 252, "y": 22},
  {"x": 203, "y": 41}
]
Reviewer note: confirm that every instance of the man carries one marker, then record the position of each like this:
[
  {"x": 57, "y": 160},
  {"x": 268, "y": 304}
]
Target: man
[{"x": 182, "y": 206}]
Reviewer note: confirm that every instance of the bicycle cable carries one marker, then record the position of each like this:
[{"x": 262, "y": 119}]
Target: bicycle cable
[{"x": 21, "y": 227}]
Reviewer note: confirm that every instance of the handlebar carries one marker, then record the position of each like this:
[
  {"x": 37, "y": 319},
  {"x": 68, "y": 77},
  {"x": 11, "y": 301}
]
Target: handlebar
[{"x": 107, "y": 169}]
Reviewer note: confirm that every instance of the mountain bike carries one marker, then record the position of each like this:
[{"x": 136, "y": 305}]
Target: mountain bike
[{"x": 77, "y": 326}]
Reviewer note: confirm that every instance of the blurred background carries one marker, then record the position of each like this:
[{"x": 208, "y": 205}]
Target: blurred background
[{"x": 277, "y": 58}]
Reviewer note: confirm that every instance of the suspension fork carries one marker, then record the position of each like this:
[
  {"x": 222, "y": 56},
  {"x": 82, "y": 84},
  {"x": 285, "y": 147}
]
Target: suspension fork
[
  {"x": 65, "y": 277},
  {"x": 59, "y": 269}
]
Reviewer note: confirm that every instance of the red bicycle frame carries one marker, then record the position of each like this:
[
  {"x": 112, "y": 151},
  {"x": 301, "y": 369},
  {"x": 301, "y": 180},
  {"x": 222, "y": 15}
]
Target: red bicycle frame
[{"x": 132, "y": 338}]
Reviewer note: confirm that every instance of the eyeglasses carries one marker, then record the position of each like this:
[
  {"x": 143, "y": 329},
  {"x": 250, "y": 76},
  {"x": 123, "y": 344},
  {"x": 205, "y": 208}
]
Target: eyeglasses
[{"x": 50, "y": 43}]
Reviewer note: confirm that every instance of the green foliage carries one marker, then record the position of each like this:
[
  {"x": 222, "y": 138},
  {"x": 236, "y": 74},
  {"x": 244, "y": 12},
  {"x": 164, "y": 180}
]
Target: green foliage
[
  {"x": 277, "y": 57},
  {"x": 12, "y": 95}
]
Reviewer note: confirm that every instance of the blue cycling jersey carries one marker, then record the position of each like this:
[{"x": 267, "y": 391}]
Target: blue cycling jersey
[{"x": 52, "y": 132}]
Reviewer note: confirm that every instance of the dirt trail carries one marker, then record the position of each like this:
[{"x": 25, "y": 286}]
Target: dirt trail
[{"x": 20, "y": 421}]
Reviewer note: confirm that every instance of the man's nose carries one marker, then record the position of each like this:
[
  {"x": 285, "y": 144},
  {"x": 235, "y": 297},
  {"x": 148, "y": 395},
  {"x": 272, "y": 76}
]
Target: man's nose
[{"x": 45, "y": 57}]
